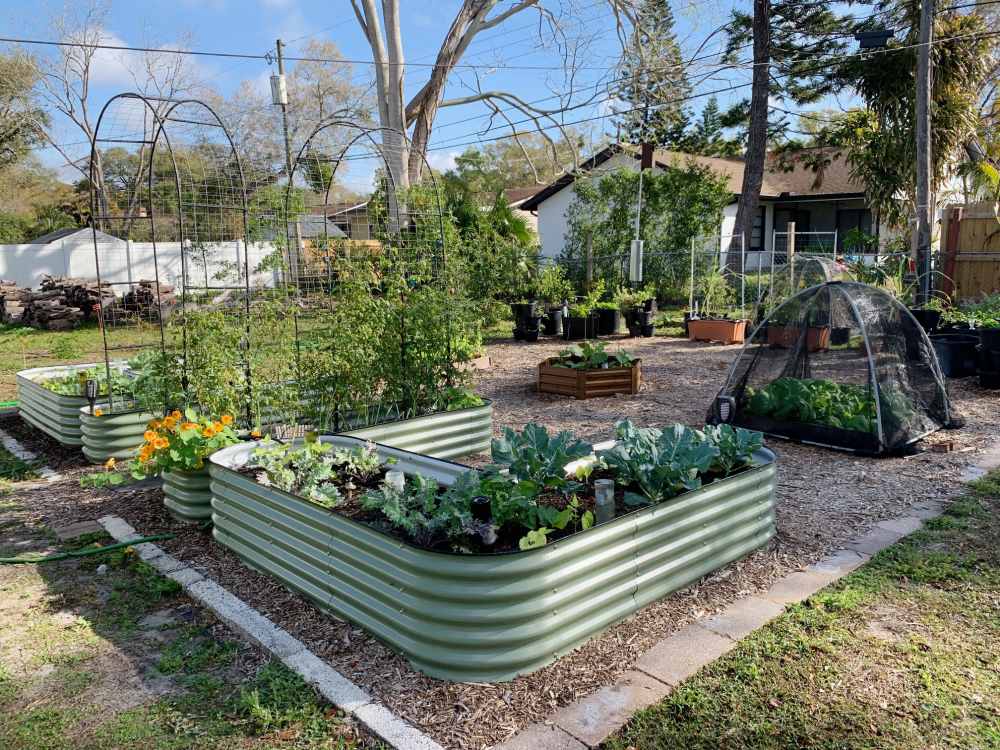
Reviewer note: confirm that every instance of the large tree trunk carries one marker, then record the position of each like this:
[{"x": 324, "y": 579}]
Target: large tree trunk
[{"x": 753, "y": 171}]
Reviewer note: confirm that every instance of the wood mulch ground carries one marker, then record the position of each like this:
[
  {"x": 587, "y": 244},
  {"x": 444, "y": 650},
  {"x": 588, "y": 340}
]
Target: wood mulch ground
[{"x": 825, "y": 498}]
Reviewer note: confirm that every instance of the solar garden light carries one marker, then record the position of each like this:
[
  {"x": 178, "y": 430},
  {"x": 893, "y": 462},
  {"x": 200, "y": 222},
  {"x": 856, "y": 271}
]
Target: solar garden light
[
  {"x": 725, "y": 408},
  {"x": 90, "y": 390},
  {"x": 395, "y": 479},
  {"x": 604, "y": 495}
]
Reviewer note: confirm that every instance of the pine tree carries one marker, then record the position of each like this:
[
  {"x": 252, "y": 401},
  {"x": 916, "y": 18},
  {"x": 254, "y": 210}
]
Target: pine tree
[
  {"x": 708, "y": 137},
  {"x": 653, "y": 79}
]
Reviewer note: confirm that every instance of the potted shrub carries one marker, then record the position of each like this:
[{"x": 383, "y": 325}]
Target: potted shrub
[
  {"x": 638, "y": 307},
  {"x": 716, "y": 294},
  {"x": 554, "y": 289},
  {"x": 176, "y": 448},
  {"x": 580, "y": 321},
  {"x": 348, "y": 524},
  {"x": 527, "y": 320},
  {"x": 587, "y": 371}
]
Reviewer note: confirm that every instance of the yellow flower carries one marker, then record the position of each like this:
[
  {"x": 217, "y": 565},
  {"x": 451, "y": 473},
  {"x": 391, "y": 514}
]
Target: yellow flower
[
  {"x": 217, "y": 427},
  {"x": 208, "y": 432},
  {"x": 160, "y": 443},
  {"x": 176, "y": 415},
  {"x": 189, "y": 426},
  {"x": 255, "y": 433},
  {"x": 110, "y": 463},
  {"x": 169, "y": 422},
  {"x": 226, "y": 419},
  {"x": 98, "y": 412},
  {"x": 149, "y": 436}
]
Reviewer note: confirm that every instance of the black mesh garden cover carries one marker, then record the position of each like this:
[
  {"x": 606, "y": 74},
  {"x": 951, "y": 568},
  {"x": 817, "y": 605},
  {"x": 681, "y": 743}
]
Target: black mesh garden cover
[{"x": 840, "y": 364}]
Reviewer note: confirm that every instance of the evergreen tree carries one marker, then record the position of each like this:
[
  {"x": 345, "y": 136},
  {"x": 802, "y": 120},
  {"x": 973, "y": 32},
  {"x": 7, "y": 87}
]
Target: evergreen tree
[
  {"x": 653, "y": 79},
  {"x": 707, "y": 136}
]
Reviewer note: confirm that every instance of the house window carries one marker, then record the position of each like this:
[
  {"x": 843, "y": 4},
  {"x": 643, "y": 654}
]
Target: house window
[
  {"x": 852, "y": 218},
  {"x": 782, "y": 216},
  {"x": 757, "y": 231}
]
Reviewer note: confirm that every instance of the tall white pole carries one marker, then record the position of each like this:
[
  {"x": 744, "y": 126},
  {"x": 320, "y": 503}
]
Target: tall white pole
[{"x": 924, "y": 153}]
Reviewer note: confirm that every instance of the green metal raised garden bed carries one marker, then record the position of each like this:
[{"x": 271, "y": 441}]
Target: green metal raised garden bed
[
  {"x": 187, "y": 495},
  {"x": 487, "y": 617},
  {"x": 446, "y": 434},
  {"x": 57, "y": 415},
  {"x": 112, "y": 434}
]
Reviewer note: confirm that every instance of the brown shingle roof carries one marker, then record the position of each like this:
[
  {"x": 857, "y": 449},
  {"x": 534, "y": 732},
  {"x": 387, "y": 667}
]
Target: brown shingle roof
[{"x": 833, "y": 180}]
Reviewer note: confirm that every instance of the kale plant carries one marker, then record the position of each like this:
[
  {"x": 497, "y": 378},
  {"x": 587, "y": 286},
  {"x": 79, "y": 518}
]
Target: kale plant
[
  {"x": 736, "y": 447},
  {"x": 422, "y": 510},
  {"x": 533, "y": 456},
  {"x": 305, "y": 470},
  {"x": 661, "y": 463}
]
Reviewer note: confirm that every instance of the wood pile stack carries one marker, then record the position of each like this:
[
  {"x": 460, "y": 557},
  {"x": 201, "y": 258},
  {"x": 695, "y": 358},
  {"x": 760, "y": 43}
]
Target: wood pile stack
[
  {"x": 61, "y": 303},
  {"x": 143, "y": 299},
  {"x": 12, "y": 302},
  {"x": 84, "y": 294}
]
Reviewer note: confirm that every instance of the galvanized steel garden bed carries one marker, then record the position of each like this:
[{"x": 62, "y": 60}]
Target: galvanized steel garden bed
[
  {"x": 55, "y": 414},
  {"x": 446, "y": 434},
  {"x": 487, "y": 618},
  {"x": 112, "y": 434}
]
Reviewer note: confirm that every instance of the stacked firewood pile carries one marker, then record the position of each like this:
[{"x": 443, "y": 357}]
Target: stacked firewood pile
[
  {"x": 12, "y": 302},
  {"x": 61, "y": 303},
  {"x": 145, "y": 300}
]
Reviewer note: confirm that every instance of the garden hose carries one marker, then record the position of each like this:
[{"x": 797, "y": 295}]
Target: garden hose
[{"x": 87, "y": 552}]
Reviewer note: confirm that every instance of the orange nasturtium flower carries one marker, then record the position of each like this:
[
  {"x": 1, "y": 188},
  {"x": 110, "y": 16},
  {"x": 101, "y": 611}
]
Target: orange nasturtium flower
[
  {"x": 226, "y": 419},
  {"x": 149, "y": 436},
  {"x": 169, "y": 422},
  {"x": 160, "y": 443},
  {"x": 189, "y": 426},
  {"x": 110, "y": 463},
  {"x": 175, "y": 414},
  {"x": 98, "y": 412},
  {"x": 154, "y": 425},
  {"x": 255, "y": 433},
  {"x": 208, "y": 431},
  {"x": 217, "y": 427}
]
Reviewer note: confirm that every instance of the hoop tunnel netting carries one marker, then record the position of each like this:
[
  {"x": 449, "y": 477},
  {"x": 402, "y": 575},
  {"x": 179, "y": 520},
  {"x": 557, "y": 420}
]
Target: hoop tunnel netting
[{"x": 840, "y": 364}]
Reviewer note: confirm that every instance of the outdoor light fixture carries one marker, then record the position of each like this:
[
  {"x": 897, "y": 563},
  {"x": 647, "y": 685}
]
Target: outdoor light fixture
[
  {"x": 635, "y": 262},
  {"x": 877, "y": 39},
  {"x": 90, "y": 390},
  {"x": 725, "y": 408}
]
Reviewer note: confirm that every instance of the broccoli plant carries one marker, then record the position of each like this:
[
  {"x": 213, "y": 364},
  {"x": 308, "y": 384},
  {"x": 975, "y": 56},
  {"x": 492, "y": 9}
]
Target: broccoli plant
[{"x": 533, "y": 456}]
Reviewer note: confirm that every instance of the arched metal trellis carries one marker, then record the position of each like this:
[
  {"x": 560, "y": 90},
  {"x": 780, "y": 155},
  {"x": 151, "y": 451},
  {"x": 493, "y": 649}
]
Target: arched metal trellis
[
  {"x": 365, "y": 262},
  {"x": 170, "y": 224}
]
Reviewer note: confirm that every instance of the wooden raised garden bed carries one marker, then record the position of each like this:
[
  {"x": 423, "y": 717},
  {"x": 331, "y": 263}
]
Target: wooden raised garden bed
[
  {"x": 487, "y": 617},
  {"x": 785, "y": 337},
  {"x": 566, "y": 381},
  {"x": 723, "y": 330}
]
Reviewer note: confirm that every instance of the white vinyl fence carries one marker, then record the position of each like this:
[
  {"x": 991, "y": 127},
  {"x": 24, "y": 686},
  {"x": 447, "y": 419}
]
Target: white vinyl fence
[{"x": 124, "y": 262}]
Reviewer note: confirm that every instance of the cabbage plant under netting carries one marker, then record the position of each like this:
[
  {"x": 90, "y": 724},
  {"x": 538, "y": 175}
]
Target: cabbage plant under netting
[{"x": 840, "y": 364}]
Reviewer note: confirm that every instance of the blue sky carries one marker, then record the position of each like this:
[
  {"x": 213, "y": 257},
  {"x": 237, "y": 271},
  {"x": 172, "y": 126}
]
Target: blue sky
[{"x": 253, "y": 25}]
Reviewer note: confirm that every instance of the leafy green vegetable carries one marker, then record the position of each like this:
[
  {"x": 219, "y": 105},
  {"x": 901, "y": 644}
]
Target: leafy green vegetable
[
  {"x": 822, "y": 402},
  {"x": 587, "y": 356},
  {"x": 661, "y": 463},
  {"x": 736, "y": 446},
  {"x": 533, "y": 456},
  {"x": 425, "y": 513}
]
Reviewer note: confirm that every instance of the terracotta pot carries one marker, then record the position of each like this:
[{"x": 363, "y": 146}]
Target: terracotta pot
[
  {"x": 785, "y": 337},
  {"x": 717, "y": 329}
]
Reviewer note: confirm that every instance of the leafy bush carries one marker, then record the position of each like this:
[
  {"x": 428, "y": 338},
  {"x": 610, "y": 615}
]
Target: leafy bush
[
  {"x": 533, "y": 456},
  {"x": 427, "y": 514}
]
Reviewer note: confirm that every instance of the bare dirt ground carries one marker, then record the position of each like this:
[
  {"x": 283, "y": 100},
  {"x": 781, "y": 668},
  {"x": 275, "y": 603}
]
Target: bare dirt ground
[{"x": 825, "y": 498}]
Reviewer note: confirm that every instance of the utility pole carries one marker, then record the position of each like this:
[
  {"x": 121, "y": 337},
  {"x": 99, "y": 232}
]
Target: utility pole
[
  {"x": 925, "y": 201},
  {"x": 279, "y": 96}
]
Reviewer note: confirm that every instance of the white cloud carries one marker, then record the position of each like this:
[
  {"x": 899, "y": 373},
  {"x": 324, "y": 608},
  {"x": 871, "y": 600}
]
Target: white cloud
[
  {"x": 442, "y": 161},
  {"x": 112, "y": 67}
]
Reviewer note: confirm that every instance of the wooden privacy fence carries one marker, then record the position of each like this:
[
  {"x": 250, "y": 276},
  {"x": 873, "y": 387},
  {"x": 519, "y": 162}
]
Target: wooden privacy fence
[{"x": 970, "y": 251}]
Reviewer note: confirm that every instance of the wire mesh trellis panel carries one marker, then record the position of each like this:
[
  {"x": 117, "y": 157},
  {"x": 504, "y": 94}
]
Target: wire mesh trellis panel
[
  {"x": 376, "y": 319},
  {"x": 168, "y": 185}
]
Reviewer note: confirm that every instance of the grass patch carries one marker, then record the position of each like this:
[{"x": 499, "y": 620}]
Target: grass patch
[
  {"x": 899, "y": 654},
  {"x": 13, "y": 469},
  {"x": 194, "y": 650}
]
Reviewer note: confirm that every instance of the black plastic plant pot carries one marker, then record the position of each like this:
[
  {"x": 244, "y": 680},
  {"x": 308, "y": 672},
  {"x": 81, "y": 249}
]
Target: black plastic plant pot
[
  {"x": 649, "y": 306},
  {"x": 647, "y": 331},
  {"x": 928, "y": 319},
  {"x": 989, "y": 359},
  {"x": 840, "y": 336},
  {"x": 523, "y": 310},
  {"x": 518, "y": 333},
  {"x": 956, "y": 353},
  {"x": 576, "y": 329},
  {"x": 528, "y": 329},
  {"x": 531, "y": 336},
  {"x": 989, "y": 338},
  {"x": 687, "y": 319},
  {"x": 608, "y": 321},
  {"x": 554, "y": 322}
]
